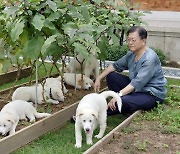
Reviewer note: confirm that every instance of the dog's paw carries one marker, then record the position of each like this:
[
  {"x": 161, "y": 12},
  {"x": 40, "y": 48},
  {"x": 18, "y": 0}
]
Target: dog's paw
[
  {"x": 12, "y": 132},
  {"x": 98, "y": 136},
  {"x": 32, "y": 120},
  {"x": 55, "y": 102},
  {"x": 78, "y": 145},
  {"x": 89, "y": 142}
]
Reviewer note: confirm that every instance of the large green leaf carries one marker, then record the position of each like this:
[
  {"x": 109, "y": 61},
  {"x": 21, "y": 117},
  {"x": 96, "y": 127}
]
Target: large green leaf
[
  {"x": 49, "y": 24},
  {"x": 17, "y": 30},
  {"x": 54, "y": 16},
  {"x": 70, "y": 29},
  {"x": 52, "y": 5},
  {"x": 86, "y": 37},
  {"x": 24, "y": 36},
  {"x": 101, "y": 28},
  {"x": 10, "y": 11},
  {"x": 33, "y": 47},
  {"x": 74, "y": 12},
  {"x": 115, "y": 39},
  {"x": 47, "y": 43},
  {"x": 103, "y": 46},
  {"x": 38, "y": 21},
  {"x": 55, "y": 51},
  {"x": 85, "y": 13},
  {"x": 80, "y": 48}
]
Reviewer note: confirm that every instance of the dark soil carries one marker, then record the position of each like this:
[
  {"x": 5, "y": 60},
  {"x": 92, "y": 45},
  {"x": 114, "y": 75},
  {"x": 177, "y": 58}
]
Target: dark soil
[{"x": 143, "y": 138}]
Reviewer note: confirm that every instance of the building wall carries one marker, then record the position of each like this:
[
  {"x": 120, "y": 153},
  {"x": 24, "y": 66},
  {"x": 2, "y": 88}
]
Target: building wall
[
  {"x": 164, "y": 32},
  {"x": 158, "y": 5},
  {"x": 167, "y": 41}
]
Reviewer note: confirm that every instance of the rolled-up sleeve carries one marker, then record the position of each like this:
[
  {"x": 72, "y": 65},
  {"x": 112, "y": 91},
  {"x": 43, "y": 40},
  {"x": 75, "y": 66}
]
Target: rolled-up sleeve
[{"x": 121, "y": 64}]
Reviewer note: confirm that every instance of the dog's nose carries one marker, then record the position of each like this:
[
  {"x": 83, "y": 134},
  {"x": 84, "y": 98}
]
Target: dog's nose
[{"x": 87, "y": 129}]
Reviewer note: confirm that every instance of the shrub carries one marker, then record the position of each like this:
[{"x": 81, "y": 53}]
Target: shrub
[
  {"x": 116, "y": 52},
  {"x": 161, "y": 55}
]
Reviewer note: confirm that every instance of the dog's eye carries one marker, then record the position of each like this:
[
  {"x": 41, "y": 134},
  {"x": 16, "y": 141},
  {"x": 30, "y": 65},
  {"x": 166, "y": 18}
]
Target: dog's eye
[
  {"x": 5, "y": 125},
  {"x": 84, "y": 120},
  {"x": 90, "y": 120}
]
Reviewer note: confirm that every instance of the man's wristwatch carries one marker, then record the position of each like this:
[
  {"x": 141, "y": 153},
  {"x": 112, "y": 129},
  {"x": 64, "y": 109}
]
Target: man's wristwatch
[{"x": 120, "y": 94}]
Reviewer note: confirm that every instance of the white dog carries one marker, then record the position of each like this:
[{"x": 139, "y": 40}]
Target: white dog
[
  {"x": 14, "y": 111},
  {"x": 69, "y": 79},
  {"x": 52, "y": 92},
  {"x": 91, "y": 111},
  {"x": 90, "y": 66}
]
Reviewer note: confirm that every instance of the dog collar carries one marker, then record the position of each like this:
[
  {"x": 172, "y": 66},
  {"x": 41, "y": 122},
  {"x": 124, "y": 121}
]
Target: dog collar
[{"x": 50, "y": 94}]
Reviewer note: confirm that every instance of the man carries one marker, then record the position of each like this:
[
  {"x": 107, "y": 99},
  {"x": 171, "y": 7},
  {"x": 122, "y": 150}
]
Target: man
[{"x": 146, "y": 84}]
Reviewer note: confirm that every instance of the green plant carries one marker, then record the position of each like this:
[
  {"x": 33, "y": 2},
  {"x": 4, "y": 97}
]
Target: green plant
[
  {"x": 161, "y": 55},
  {"x": 115, "y": 52},
  {"x": 142, "y": 145},
  {"x": 167, "y": 114},
  {"x": 42, "y": 28}
]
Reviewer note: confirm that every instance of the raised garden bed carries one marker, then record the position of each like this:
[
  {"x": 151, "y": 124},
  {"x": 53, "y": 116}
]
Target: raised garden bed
[
  {"x": 61, "y": 113},
  {"x": 11, "y": 75},
  {"x": 26, "y": 132}
]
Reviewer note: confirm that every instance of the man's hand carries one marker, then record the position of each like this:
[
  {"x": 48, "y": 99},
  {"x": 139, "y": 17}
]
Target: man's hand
[
  {"x": 97, "y": 85},
  {"x": 111, "y": 104}
]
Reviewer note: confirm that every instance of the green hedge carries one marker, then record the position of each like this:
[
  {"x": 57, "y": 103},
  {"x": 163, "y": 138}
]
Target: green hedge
[
  {"x": 116, "y": 52},
  {"x": 161, "y": 55}
]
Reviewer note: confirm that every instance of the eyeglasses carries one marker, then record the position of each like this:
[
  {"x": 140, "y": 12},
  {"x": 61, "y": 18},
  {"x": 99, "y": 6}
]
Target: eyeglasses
[{"x": 131, "y": 41}]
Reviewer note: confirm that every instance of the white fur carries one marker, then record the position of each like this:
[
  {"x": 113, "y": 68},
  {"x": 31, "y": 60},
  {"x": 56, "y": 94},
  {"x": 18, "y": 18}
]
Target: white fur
[
  {"x": 69, "y": 79},
  {"x": 14, "y": 111},
  {"x": 28, "y": 93},
  {"x": 92, "y": 111},
  {"x": 90, "y": 66}
]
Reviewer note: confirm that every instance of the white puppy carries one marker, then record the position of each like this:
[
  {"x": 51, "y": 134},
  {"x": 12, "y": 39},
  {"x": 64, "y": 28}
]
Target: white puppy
[
  {"x": 14, "y": 111},
  {"x": 91, "y": 111},
  {"x": 90, "y": 66},
  {"x": 52, "y": 92},
  {"x": 69, "y": 79}
]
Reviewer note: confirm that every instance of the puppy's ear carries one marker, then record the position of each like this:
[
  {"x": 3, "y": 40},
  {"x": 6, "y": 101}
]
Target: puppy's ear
[
  {"x": 79, "y": 113},
  {"x": 95, "y": 114},
  {"x": 12, "y": 120},
  {"x": 79, "y": 83}
]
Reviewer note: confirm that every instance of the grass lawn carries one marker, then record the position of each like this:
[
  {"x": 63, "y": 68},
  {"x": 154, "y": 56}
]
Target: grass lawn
[
  {"x": 63, "y": 140},
  {"x": 168, "y": 114}
]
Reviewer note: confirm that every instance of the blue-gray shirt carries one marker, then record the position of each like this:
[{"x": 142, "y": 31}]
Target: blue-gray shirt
[{"x": 146, "y": 74}]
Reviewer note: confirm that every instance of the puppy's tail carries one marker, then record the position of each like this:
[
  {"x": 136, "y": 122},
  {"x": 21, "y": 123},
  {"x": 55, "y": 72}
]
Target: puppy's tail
[
  {"x": 41, "y": 115},
  {"x": 113, "y": 94}
]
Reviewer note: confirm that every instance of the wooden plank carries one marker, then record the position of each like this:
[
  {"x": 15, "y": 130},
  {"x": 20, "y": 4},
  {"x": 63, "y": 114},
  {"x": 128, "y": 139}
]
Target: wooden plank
[
  {"x": 11, "y": 76},
  {"x": 30, "y": 133},
  {"x": 106, "y": 139}
]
